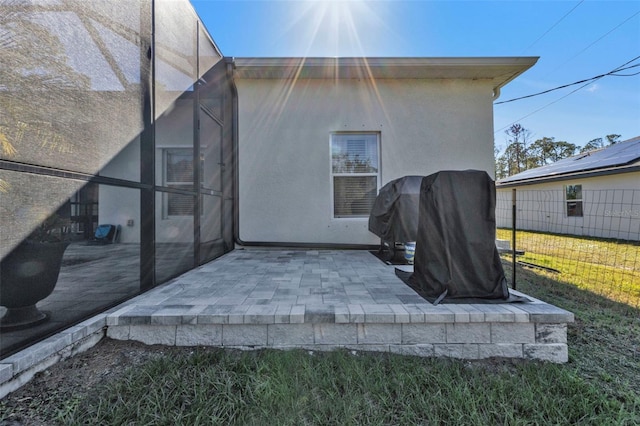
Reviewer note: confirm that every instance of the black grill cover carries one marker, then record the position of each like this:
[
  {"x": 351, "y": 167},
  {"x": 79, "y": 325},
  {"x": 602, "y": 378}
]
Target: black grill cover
[
  {"x": 394, "y": 215},
  {"x": 456, "y": 254}
]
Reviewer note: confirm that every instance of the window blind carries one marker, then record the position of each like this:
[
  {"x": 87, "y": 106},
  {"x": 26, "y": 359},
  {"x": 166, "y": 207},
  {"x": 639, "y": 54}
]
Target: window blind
[{"x": 353, "y": 195}]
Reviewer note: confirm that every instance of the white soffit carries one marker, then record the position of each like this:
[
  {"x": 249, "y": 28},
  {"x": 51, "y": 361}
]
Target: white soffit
[{"x": 501, "y": 70}]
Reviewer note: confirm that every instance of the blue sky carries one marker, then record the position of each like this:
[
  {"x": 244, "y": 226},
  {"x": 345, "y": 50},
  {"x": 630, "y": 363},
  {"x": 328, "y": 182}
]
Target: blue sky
[{"x": 575, "y": 40}]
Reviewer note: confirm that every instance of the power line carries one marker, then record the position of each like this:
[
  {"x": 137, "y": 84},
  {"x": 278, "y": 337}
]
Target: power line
[
  {"x": 554, "y": 25},
  {"x": 597, "y": 40},
  {"x": 577, "y": 54},
  {"x": 626, "y": 75},
  {"x": 610, "y": 73},
  {"x": 620, "y": 68}
]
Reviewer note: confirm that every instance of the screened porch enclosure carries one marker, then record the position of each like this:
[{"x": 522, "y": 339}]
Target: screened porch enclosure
[{"x": 112, "y": 112}]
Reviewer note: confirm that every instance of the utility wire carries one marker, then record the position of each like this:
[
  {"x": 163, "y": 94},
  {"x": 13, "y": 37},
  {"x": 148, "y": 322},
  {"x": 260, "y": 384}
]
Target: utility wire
[
  {"x": 620, "y": 68},
  {"x": 610, "y": 73},
  {"x": 577, "y": 54},
  {"x": 554, "y": 25},
  {"x": 598, "y": 39},
  {"x": 539, "y": 109},
  {"x": 626, "y": 75}
]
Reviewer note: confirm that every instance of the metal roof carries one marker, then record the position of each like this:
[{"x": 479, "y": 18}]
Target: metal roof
[{"x": 620, "y": 157}]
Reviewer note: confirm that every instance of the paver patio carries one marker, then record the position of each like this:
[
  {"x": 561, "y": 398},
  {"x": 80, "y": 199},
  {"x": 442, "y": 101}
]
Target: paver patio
[
  {"x": 327, "y": 299},
  {"x": 314, "y": 299}
]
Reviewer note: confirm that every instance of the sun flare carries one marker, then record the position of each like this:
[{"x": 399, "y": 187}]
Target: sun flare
[{"x": 331, "y": 28}]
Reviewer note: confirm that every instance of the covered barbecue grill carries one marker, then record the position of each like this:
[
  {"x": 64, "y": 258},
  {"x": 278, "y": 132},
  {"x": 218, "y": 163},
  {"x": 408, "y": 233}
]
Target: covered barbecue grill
[
  {"x": 394, "y": 215},
  {"x": 451, "y": 217},
  {"x": 456, "y": 255}
]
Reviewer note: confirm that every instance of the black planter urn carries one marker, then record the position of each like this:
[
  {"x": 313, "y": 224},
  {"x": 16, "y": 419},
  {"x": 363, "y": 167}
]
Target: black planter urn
[{"x": 27, "y": 275}]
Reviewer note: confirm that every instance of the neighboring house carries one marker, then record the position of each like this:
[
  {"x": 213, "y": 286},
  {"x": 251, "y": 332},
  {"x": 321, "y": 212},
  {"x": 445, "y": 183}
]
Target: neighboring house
[
  {"x": 318, "y": 137},
  {"x": 596, "y": 193}
]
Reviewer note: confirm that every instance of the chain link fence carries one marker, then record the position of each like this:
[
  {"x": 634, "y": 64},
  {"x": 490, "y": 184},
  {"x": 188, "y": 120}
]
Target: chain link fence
[{"x": 586, "y": 238}]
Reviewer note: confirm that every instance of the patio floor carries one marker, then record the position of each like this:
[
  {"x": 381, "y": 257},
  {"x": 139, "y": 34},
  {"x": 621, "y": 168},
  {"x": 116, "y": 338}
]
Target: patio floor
[
  {"x": 326, "y": 299},
  {"x": 315, "y": 299}
]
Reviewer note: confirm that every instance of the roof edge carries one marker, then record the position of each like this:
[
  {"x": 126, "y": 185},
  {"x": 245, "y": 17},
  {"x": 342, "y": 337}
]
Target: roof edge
[
  {"x": 576, "y": 167},
  {"x": 575, "y": 175},
  {"x": 500, "y": 70},
  {"x": 388, "y": 60}
]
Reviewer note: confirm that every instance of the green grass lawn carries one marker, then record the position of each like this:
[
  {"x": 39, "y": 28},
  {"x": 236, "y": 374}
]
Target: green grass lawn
[
  {"x": 339, "y": 388},
  {"x": 605, "y": 267}
]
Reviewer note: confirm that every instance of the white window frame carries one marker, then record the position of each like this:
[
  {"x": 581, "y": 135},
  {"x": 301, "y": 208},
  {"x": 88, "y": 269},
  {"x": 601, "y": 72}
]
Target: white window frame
[
  {"x": 334, "y": 175},
  {"x": 573, "y": 200},
  {"x": 167, "y": 183}
]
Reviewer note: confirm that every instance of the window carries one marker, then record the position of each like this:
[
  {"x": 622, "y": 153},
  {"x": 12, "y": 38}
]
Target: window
[
  {"x": 573, "y": 199},
  {"x": 178, "y": 174},
  {"x": 355, "y": 169}
]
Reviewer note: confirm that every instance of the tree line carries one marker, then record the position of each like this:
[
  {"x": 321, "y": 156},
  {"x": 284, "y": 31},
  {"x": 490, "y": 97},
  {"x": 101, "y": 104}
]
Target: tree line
[{"x": 522, "y": 153}]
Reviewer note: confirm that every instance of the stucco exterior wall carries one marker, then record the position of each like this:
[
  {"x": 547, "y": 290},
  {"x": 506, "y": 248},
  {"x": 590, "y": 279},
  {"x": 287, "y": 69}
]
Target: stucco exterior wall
[
  {"x": 116, "y": 206},
  {"x": 611, "y": 207},
  {"x": 174, "y": 129},
  {"x": 284, "y": 146}
]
